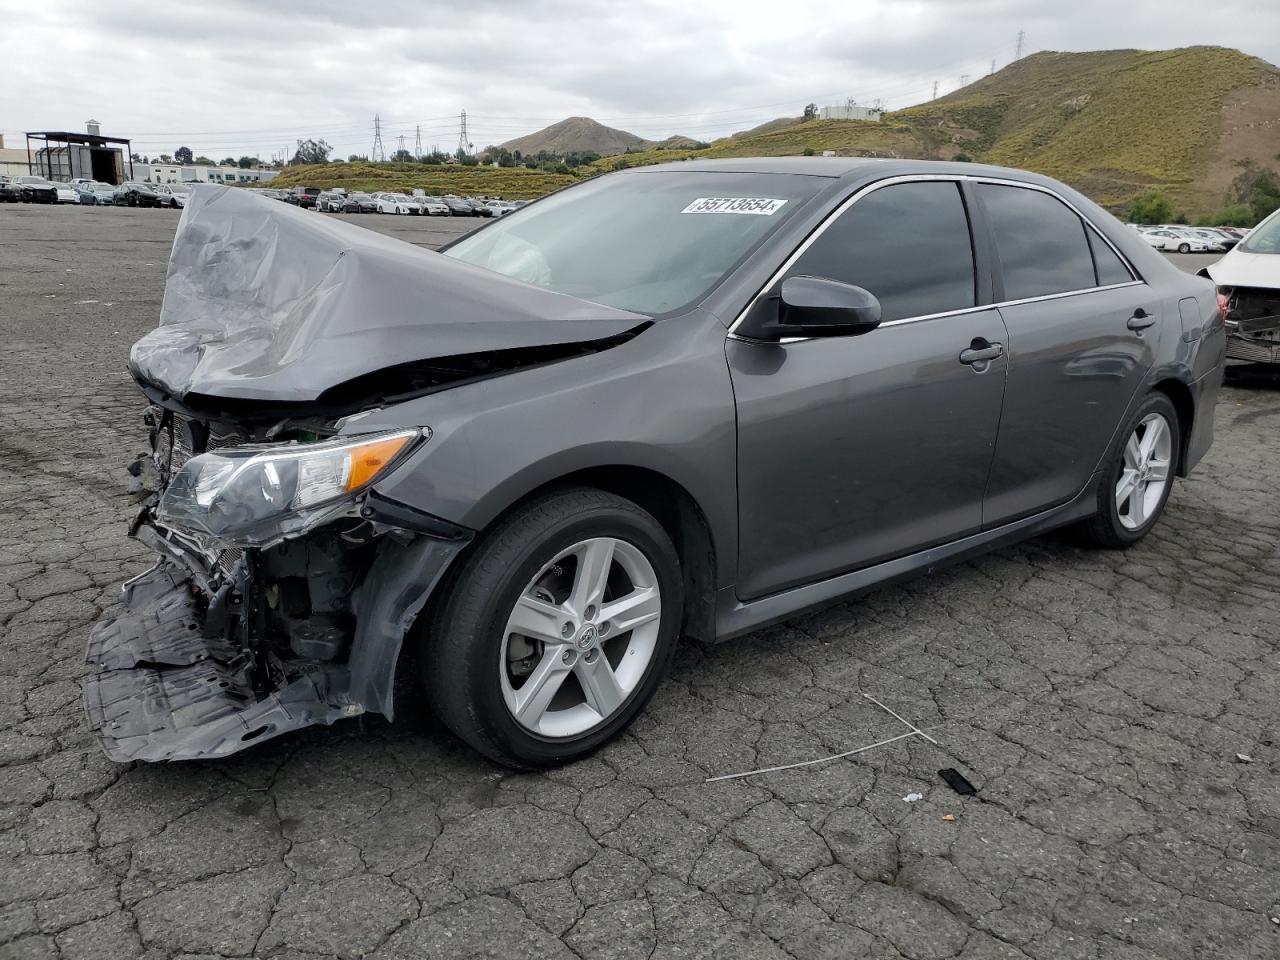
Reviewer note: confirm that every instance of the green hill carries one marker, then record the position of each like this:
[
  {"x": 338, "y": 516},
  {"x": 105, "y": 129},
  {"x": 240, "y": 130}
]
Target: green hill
[{"x": 1111, "y": 123}]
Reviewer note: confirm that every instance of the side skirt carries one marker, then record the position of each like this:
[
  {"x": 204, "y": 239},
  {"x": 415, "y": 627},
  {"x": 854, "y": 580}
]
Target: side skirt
[{"x": 734, "y": 618}]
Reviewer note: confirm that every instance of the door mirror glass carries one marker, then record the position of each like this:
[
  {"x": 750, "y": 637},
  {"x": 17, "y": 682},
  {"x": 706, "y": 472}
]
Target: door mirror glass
[{"x": 816, "y": 307}]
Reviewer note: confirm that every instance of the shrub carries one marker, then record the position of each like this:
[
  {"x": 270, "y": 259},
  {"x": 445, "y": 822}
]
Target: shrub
[{"x": 1151, "y": 206}]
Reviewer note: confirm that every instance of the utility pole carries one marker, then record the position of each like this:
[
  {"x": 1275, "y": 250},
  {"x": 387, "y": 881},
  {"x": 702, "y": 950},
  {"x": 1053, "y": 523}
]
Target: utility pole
[
  {"x": 378, "y": 152},
  {"x": 935, "y": 90},
  {"x": 463, "y": 144},
  {"x": 1022, "y": 42},
  {"x": 417, "y": 142}
]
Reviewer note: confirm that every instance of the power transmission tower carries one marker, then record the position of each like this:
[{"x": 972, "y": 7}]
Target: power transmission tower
[
  {"x": 1022, "y": 42},
  {"x": 463, "y": 143},
  {"x": 417, "y": 142},
  {"x": 993, "y": 65},
  {"x": 378, "y": 152},
  {"x": 400, "y": 147},
  {"x": 935, "y": 90},
  {"x": 964, "y": 79}
]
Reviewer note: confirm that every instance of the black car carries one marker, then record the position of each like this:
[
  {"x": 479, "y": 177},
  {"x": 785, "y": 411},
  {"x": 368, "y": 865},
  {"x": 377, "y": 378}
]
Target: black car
[
  {"x": 359, "y": 203},
  {"x": 9, "y": 191},
  {"x": 131, "y": 193},
  {"x": 458, "y": 207},
  {"x": 35, "y": 190}
]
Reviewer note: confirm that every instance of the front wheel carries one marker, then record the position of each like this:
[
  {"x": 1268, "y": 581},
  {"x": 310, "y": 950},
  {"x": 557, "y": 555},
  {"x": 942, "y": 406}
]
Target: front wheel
[
  {"x": 1184, "y": 248},
  {"x": 556, "y": 629},
  {"x": 1139, "y": 476}
]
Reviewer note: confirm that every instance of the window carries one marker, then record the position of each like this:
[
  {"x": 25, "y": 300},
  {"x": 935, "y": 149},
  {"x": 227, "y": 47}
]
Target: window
[
  {"x": 1110, "y": 268},
  {"x": 908, "y": 244},
  {"x": 1040, "y": 241}
]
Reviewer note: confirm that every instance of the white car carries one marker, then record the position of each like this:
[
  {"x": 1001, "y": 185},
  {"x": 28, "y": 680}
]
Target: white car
[
  {"x": 500, "y": 208},
  {"x": 1181, "y": 242},
  {"x": 434, "y": 206},
  {"x": 1248, "y": 281},
  {"x": 174, "y": 194},
  {"x": 396, "y": 203},
  {"x": 66, "y": 193}
]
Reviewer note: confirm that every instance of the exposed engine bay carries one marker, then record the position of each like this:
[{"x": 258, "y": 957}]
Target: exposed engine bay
[{"x": 1253, "y": 323}]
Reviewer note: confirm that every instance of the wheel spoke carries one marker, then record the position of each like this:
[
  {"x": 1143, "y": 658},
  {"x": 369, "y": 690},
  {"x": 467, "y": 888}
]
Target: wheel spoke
[
  {"x": 535, "y": 696},
  {"x": 1133, "y": 452},
  {"x": 636, "y": 608},
  {"x": 1138, "y": 504},
  {"x": 1150, "y": 437},
  {"x": 600, "y": 684},
  {"x": 538, "y": 619},
  {"x": 1159, "y": 470},
  {"x": 1125, "y": 488},
  {"x": 594, "y": 563}
]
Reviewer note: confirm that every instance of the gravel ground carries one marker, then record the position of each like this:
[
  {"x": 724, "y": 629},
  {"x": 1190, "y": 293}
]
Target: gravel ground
[{"x": 1099, "y": 701}]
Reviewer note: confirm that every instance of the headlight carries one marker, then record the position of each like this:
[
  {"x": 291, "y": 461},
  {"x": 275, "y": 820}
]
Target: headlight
[{"x": 254, "y": 495}]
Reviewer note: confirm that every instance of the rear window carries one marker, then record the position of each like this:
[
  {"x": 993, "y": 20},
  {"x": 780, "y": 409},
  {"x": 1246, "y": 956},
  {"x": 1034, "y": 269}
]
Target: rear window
[{"x": 1040, "y": 241}]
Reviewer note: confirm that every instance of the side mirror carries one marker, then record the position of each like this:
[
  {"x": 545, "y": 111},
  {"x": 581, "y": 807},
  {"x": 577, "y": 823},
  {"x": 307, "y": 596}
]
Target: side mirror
[{"x": 817, "y": 307}]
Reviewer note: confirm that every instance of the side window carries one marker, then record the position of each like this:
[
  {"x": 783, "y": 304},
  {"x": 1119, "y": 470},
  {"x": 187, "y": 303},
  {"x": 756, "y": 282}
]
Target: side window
[
  {"x": 1040, "y": 241},
  {"x": 1111, "y": 268},
  {"x": 908, "y": 244}
]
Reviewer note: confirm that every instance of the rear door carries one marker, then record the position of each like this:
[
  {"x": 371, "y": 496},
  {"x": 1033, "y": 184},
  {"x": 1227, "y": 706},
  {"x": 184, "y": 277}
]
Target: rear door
[
  {"x": 1082, "y": 336},
  {"x": 855, "y": 450}
]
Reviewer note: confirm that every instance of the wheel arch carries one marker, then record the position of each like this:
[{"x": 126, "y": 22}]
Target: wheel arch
[{"x": 1179, "y": 395}]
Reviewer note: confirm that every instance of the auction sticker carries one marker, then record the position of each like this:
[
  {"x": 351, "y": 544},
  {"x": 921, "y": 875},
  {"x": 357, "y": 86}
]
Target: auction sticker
[{"x": 758, "y": 206}]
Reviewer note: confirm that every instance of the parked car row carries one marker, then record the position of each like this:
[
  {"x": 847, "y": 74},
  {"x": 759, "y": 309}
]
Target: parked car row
[
  {"x": 1180, "y": 238},
  {"x": 396, "y": 204},
  {"x": 93, "y": 193}
]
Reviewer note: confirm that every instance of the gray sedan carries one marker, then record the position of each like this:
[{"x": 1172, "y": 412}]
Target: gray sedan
[{"x": 676, "y": 401}]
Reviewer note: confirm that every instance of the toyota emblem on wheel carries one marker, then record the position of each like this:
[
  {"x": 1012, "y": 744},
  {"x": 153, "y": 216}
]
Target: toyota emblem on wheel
[{"x": 587, "y": 637}]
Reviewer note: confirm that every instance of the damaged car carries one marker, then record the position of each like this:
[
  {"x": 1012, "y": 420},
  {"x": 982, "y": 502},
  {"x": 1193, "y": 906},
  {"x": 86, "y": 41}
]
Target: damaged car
[
  {"x": 1248, "y": 281},
  {"x": 680, "y": 401}
]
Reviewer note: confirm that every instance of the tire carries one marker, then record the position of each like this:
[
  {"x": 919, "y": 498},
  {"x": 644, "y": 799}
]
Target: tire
[
  {"x": 469, "y": 652},
  {"x": 1184, "y": 248},
  {"x": 1113, "y": 526}
]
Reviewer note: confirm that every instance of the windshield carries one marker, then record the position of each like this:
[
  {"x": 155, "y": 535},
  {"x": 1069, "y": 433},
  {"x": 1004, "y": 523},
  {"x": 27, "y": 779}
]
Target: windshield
[
  {"x": 1265, "y": 237},
  {"x": 649, "y": 242}
]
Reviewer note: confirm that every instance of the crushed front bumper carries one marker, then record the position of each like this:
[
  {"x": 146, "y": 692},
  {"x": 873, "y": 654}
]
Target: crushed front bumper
[{"x": 171, "y": 683}]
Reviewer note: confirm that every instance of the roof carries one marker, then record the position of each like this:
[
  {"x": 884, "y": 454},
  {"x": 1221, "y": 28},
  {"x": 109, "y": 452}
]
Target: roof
[
  {"x": 838, "y": 167},
  {"x": 89, "y": 139}
]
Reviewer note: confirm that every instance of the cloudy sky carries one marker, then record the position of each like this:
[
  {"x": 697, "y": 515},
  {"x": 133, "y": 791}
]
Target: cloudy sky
[{"x": 252, "y": 76}]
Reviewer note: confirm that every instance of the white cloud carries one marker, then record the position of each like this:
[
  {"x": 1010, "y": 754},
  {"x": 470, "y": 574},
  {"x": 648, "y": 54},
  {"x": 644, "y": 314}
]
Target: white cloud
[{"x": 251, "y": 76}]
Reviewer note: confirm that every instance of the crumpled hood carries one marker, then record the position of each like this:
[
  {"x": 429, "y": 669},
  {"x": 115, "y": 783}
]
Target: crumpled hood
[
  {"x": 264, "y": 301},
  {"x": 1240, "y": 268}
]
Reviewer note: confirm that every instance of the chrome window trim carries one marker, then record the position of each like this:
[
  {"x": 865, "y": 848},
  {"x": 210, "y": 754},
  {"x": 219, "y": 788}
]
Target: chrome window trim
[{"x": 944, "y": 178}]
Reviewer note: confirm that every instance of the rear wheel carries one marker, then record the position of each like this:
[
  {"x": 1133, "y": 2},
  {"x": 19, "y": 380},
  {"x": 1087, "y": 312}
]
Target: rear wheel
[
  {"x": 1184, "y": 248},
  {"x": 556, "y": 630},
  {"x": 1139, "y": 477}
]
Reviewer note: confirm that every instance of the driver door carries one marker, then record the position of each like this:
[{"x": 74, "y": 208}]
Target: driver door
[{"x": 855, "y": 450}]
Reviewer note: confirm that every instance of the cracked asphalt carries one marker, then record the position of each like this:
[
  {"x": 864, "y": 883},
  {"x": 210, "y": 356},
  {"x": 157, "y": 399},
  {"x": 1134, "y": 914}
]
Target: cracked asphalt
[{"x": 1098, "y": 700}]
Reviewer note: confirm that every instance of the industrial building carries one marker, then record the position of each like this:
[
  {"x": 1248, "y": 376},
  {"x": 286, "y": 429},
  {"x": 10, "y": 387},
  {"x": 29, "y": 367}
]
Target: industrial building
[
  {"x": 199, "y": 173},
  {"x": 69, "y": 156},
  {"x": 850, "y": 111}
]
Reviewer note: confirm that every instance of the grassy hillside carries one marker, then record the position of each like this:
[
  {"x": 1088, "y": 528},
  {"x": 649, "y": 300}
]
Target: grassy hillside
[
  {"x": 1111, "y": 123},
  {"x": 513, "y": 183}
]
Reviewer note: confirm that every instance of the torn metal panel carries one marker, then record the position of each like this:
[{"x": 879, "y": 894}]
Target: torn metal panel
[
  {"x": 267, "y": 302},
  {"x": 394, "y": 591}
]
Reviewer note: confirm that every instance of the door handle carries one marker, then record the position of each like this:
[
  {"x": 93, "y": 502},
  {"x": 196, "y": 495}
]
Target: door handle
[
  {"x": 1140, "y": 320},
  {"x": 981, "y": 351}
]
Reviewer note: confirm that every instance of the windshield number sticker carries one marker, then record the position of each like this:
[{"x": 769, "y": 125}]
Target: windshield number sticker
[{"x": 757, "y": 206}]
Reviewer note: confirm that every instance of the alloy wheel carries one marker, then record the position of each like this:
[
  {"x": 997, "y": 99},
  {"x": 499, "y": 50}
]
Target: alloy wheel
[
  {"x": 580, "y": 638},
  {"x": 1144, "y": 476}
]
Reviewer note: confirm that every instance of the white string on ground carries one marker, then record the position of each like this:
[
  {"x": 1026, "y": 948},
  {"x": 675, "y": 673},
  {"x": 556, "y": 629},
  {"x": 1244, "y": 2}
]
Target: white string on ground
[
  {"x": 809, "y": 763},
  {"x": 899, "y": 717}
]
